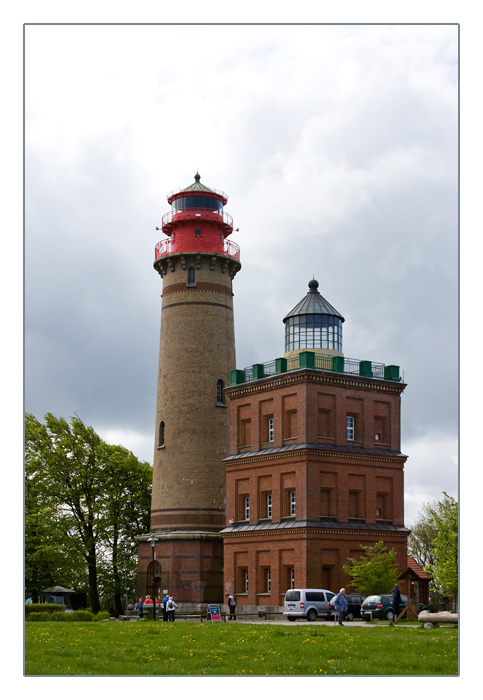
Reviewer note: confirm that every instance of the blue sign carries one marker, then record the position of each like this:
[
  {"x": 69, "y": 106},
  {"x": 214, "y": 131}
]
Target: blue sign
[{"x": 215, "y": 613}]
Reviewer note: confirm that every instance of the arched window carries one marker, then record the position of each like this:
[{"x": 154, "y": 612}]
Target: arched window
[
  {"x": 161, "y": 434},
  {"x": 220, "y": 387},
  {"x": 191, "y": 277}
]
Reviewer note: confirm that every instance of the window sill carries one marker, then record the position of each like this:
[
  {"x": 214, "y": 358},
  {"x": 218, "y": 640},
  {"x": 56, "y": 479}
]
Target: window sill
[
  {"x": 221, "y": 405},
  {"x": 358, "y": 520},
  {"x": 161, "y": 447},
  {"x": 288, "y": 517},
  {"x": 265, "y": 520},
  {"x": 326, "y": 437}
]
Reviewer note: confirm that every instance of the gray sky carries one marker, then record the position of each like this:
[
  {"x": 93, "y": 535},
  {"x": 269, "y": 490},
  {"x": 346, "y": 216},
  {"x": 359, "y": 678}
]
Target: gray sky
[{"x": 338, "y": 148}]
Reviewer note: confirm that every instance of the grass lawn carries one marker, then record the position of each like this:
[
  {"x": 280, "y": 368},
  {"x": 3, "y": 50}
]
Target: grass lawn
[{"x": 187, "y": 648}]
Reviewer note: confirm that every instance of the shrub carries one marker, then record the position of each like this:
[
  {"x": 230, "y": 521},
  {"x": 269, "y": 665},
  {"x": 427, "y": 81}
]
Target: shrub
[
  {"x": 43, "y": 607},
  {"x": 60, "y": 616},
  {"x": 38, "y": 617},
  {"x": 81, "y": 616},
  {"x": 102, "y": 615}
]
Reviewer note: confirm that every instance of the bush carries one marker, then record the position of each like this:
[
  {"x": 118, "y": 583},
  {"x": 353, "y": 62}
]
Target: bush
[
  {"x": 60, "y": 616},
  {"x": 102, "y": 615},
  {"x": 43, "y": 607},
  {"x": 38, "y": 617},
  {"x": 81, "y": 616}
]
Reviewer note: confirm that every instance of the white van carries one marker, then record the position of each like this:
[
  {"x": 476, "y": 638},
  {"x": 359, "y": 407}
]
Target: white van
[{"x": 307, "y": 602}]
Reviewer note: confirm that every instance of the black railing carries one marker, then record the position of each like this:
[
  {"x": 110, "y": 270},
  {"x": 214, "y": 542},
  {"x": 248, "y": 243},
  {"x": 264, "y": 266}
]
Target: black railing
[{"x": 319, "y": 361}]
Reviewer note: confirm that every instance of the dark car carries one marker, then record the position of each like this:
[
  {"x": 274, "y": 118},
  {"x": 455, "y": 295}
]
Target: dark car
[
  {"x": 354, "y": 602},
  {"x": 381, "y": 607}
]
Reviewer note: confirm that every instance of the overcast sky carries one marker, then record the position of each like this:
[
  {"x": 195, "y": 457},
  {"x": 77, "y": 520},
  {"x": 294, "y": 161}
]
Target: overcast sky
[{"x": 338, "y": 148}]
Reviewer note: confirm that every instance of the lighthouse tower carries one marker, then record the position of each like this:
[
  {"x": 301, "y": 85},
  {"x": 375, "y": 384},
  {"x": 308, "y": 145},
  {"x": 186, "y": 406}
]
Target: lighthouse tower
[{"x": 197, "y": 263}]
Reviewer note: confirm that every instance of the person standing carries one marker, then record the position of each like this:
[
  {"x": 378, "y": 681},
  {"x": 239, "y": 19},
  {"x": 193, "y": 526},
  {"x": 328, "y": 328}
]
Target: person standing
[
  {"x": 232, "y": 606},
  {"x": 165, "y": 609},
  {"x": 139, "y": 607},
  {"x": 396, "y": 600},
  {"x": 171, "y": 606},
  {"x": 341, "y": 605}
]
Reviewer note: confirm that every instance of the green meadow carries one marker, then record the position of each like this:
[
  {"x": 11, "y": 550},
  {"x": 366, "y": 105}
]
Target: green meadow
[{"x": 186, "y": 648}]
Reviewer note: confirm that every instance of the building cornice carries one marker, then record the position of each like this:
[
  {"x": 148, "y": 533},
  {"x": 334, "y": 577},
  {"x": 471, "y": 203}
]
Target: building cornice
[
  {"x": 311, "y": 527},
  {"x": 340, "y": 452},
  {"x": 314, "y": 376}
]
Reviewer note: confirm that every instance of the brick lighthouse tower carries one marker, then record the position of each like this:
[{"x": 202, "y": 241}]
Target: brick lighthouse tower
[{"x": 197, "y": 263}]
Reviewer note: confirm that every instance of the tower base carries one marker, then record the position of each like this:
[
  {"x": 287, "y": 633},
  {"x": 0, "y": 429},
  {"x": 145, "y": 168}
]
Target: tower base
[{"x": 189, "y": 565}]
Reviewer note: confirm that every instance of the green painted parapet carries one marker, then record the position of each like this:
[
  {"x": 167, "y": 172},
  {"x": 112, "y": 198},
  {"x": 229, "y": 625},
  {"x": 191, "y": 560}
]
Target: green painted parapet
[
  {"x": 391, "y": 372},
  {"x": 337, "y": 363},
  {"x": 307, "y": 360},
  {"x": 237, "y": 376},
  {"x": 280, "y": 365},
  {"x": 258, "y": 371},
  {"x": 365, "y": 368}
]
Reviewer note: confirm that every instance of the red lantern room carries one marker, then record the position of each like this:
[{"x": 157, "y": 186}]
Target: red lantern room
[{"x": 197, "y": 222}]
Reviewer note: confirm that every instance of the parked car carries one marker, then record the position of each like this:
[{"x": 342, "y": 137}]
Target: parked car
[
  {"x": 307, "y": 602},
  {"x": 381, "y": 607},
  {"x": 354, "y": 602}
]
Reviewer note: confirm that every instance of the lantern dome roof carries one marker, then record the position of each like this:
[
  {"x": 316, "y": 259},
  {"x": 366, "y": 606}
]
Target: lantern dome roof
[{"x": 313, "y": 303}]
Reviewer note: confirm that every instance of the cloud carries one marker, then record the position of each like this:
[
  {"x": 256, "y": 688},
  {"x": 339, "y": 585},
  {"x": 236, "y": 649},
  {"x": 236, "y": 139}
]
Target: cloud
[{"x": 338, "y": 148}]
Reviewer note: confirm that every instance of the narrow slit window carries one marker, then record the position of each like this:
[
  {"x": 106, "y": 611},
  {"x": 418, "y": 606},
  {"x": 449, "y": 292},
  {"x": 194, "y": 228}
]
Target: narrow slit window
[
  {"x": 161, "y": 434},
  {"x": 191, "y": 277},
  {"x": 220, "y": 386}
]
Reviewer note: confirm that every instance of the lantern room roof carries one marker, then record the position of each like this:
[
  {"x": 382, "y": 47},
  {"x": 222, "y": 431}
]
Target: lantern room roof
[
  {"x": 313, "y": 303},
  {"x": 197, "y": 187}
]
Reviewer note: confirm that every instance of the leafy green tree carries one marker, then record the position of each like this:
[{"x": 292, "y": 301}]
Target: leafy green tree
[
  {"x": 78, "y": 489},
  {"x": 422, "y": 536},
  {"x": 375, "y": 572},
  {"x": 444, "y": 569}
]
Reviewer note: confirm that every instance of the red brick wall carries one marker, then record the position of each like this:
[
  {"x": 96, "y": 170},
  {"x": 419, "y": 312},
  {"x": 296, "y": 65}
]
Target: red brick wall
[{"x": 311, "y": 408}]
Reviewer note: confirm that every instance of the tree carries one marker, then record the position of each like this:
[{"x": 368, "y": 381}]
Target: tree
[
  {"x": 77, "y": 490},
  {"x": 421, "y": 538},
  {"x": 433, "y": 543},
  {"x": 444, "y": 569},
  {"x": 375, "y": 572}
]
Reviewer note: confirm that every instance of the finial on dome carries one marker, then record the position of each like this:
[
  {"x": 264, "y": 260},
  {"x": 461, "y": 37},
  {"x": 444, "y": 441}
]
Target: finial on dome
[
  {"x": 197, "y": 177},
  {"x": 313, "y": 285}
]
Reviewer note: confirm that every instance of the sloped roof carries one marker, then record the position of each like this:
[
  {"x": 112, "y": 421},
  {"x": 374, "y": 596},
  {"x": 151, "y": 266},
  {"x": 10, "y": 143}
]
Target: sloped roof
[
  {"x": 313, "y": 303},
  {"x": 197, "y": 186},
  {"x": 414, "y": 566}
]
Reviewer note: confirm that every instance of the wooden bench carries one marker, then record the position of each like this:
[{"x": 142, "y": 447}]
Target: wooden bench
[{"x": 432, "y": 620}]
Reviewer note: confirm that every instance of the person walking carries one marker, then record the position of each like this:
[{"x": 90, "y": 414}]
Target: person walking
[
  {"x": 232, "y": 606},
  {"x": 396, "y": 600},
  {"x": 171, "y": 606},
  {"x": 139, "y": 607},
  {"x": 165, "y": 609},
  {"x": 341, "y": 605}
]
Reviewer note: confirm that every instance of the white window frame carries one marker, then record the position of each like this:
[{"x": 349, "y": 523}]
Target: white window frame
[
  {"x": 245, "y": 580},
  {"x": 268, "y": 579},
  {"x": 351, "y": 427},
  {"x": 246, "y": 507},
  {"x": 292, "y": 502},
  {"x": 270, "y": 429},
  {"x": 269, "y": 505},
  {"x": 292, "y": 578}
]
